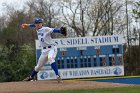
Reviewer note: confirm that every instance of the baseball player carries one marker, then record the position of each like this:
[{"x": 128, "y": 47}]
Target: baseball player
[{"x": 49, "y": 50}]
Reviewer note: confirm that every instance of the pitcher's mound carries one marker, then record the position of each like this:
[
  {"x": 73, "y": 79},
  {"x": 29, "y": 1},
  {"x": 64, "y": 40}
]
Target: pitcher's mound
[{"x": 24, "y": 87}]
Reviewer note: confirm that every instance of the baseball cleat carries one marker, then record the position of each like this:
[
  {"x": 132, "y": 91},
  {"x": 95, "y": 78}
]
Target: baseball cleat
[
  {"x": 59, "y": 80},
  {"x": 29, "y": 78}
]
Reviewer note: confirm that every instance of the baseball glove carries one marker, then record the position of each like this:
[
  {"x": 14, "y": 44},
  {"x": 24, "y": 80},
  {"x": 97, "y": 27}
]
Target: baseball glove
[{"x": 63, "y": 31}]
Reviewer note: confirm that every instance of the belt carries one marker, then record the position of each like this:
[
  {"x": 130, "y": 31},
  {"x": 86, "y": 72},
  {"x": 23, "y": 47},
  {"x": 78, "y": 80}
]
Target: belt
[{"x": 47, "y": 47}]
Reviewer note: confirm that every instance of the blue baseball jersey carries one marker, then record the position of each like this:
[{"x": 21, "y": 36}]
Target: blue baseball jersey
[{"x": 44, "y": 36}]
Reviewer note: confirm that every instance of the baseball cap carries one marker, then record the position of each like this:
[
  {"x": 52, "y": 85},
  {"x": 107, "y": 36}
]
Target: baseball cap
[{"x": 38, "y": 20}]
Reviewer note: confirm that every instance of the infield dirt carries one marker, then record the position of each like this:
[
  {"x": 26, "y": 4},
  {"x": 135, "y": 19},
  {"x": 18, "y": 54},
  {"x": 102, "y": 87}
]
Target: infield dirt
[{"x": 36, "y": 86}]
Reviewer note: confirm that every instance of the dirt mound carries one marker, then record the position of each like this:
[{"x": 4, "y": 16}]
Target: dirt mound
[{"x": 24, "y": 87}]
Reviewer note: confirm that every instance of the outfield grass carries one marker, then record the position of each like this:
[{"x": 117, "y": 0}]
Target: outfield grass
[{"x": 135, "y": 89}]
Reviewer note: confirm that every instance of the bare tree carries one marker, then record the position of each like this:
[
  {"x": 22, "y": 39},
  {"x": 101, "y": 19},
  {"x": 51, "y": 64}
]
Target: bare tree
[
  {"x": 136, "y": 15},
  {"x": 104, "y": 16},
  {"x": 44, "y": 9},
  {"x": 98, "y": 17},
  {"x": 74, "y": 15}
]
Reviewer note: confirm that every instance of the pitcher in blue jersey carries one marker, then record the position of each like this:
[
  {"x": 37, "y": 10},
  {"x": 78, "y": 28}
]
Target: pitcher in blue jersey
[{"x": 49, "y": 49}]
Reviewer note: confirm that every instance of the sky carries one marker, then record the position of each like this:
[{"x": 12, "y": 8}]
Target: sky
[{"x": 16, "y": 3}]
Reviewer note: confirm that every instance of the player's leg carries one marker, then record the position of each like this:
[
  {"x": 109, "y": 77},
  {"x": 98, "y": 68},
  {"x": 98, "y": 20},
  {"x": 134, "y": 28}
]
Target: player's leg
[
  {"x": 41, "y": 62},
  {"x": 51, "y": 59},
  {"x": 54, "y": 67}
]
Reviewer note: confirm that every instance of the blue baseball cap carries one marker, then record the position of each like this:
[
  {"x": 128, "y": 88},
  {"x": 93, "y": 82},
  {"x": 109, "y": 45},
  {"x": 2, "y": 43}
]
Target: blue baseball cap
[{"x": 38, "y": 20}]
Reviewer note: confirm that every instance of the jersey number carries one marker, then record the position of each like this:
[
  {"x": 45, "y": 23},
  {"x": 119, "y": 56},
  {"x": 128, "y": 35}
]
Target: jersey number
[{"x": 42, "y": 39}]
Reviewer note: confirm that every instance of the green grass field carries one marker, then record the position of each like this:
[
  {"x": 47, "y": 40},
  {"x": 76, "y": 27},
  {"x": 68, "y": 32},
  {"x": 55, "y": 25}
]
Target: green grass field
[{"x": 135, "y": 89}]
